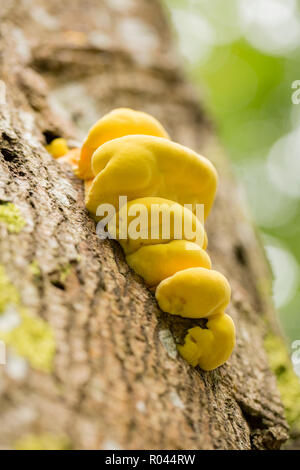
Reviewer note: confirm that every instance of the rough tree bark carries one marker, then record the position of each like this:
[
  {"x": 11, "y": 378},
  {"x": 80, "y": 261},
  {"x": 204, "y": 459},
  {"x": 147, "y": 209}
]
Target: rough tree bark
[{"x": 116, "y": 381}]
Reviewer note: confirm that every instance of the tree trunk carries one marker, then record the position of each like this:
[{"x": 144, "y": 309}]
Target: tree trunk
[{"x": 115, "y": 379}]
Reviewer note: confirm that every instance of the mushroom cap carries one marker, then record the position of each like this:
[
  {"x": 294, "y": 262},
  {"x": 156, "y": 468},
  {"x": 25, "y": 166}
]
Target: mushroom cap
[
  {"x": 194, "y": 293},
  {"x": 117, "y": 123},
  {"x": 156, "y": 262},
  {"x": 140, "y": 166},
  {"x": 57, "y": 147},
  {"x": 211, "y": 346},
  {"x": 154, "y": 220}
]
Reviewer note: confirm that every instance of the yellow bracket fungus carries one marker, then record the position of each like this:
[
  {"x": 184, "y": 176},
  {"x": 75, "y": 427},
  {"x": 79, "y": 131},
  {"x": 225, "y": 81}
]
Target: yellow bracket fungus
[
  {"x": 129, "y": 154},
  {"x": 118, "y": 123},
  {"x": 139, "y": 166},
  {"x": 58, "y": 147},
  {"x": 159, "y": 221},
  {"x": 60, "y": 150},
  {"x": 168, "y": 259},
  {"x": 194, "y": 293},
  {"x": 211, "y": 346}
]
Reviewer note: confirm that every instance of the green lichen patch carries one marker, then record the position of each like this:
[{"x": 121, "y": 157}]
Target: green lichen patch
[
  {"x": 264, "y": 286},
  {"x": 35, "y": 269},
  {"x": 287, "y": 380},
  {"x": 10, "y": 215},
  {"x": 64, "y": 273},
  {"x": 45, "y": 441},
  {"x": 59, "y": 277},
  {"x": 8, "y": 293},
  {"x": 33, "y": 339}
]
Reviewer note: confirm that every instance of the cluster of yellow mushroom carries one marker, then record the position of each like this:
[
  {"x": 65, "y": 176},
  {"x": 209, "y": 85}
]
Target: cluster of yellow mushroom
[{"x": 129, "y": 153}]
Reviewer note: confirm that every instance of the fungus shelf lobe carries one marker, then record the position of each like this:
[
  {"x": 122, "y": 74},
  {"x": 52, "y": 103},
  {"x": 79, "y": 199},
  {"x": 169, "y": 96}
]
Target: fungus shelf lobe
[
  {"x": 168, "y": 259},
  {"x": 138, "y": 166},
  {"x": 160, "y": 221},
  {"x": 118, "y": 123},
  {"x": 194, "y": 293}
]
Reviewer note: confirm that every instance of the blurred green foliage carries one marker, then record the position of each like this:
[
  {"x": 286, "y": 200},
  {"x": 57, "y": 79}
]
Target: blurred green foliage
[{"x": 244, "y": 56}]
